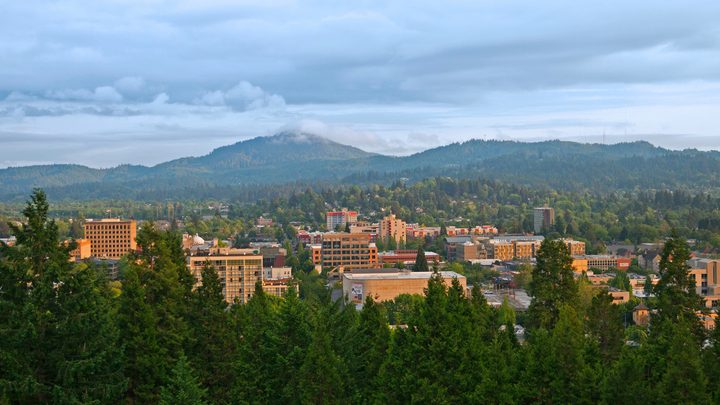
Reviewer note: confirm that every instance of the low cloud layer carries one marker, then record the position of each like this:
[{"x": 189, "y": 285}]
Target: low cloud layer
[{"x": 105, "y": 83}]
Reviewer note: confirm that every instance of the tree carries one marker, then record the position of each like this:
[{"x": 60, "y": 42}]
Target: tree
[
  {"x": 368, "y": 350},
  {"x": 684, "y": 380},
  {"x": 213, "y": 343},
  {"x": 676, "y": 297},
  {"x": 60, "y": 342},
  {"x": 321, "y": 372},
  {"x": 604, "y": 326},
  {"x": 506, "y": 314},
  {"x": 552, "y": 284},
  {"x": 183, "y": 387},
  {"x": 421, "y": 263}
]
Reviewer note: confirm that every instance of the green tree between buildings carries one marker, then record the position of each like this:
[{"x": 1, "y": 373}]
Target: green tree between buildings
[
  {"x": 183, "y": 387},
  {"x": 552, "y": 284},
  {"x": 421, "y": 263}
]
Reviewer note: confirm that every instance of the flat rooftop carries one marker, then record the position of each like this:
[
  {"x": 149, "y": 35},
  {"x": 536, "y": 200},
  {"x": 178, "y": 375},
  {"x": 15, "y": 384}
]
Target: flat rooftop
[{"x": 404, "y": 275}]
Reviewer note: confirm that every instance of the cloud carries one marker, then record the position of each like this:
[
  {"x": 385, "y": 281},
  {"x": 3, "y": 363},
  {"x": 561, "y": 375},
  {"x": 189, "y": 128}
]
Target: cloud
[
  {"x": 241, "y": 97},
  {"x": 101, "y": 94}
]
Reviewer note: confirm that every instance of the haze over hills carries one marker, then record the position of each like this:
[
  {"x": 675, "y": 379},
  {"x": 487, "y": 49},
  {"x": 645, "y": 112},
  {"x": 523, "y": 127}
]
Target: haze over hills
[{"x": 308, "y": 158}]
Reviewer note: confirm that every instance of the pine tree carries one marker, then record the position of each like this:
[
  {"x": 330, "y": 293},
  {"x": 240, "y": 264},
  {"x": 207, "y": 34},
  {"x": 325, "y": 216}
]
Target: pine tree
[
  {"x": 294, "y": 336},
  {"x": 145, "y": 358},
  {"x": 183, "y": 387},
  {"x": 684, "y": 380},
  {"x": 322, "y": 370},
  {"x": 567, "y": 361},
  {"x": 604, "y": 326},
  {"x": 552, "y": 284},
  {"x": 368, "y": 350},
  {"x": 213, "y": 344},
  {"x": 60, "y": 343},
  {"x": 421, "y": 263}
]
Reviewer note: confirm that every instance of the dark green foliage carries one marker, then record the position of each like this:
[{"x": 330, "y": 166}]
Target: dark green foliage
[
  {"x": 421, "y": 263},
  {"x": 60, "y": 341},
  {"x": 183, "y": 387},
  {"x": 604, "y": 326},
  {"x": 552, "y": 284}
]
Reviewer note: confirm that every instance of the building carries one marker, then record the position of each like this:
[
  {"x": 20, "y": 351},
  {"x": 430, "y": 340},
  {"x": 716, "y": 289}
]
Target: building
[
  {"x": 407, "y": 257},
  {"x": 392, "y": 228},
  {"x": 335, "y": 219},
  {"x": 600, "y": 262},
  {"x": 238, "y": 270},
  {"x": 619, "y": 296},
  {"x": 641, "y": 315},
  {"x": 275, "y": 273},
  {"x": 82, "y": 251},
  {"x": 576, "y": 247},
  {"x": 111, "y": 238},
  {"x": 470, "y": 251},
  {"x": 272, "y": 252},
  {"x": 387, "y": 284},
  {"x": 705, "y": 273},
  {"x": 415, "y": 231},
  {"x": 365, "y": 227},
  {"x": 543, "y": 218},
  {"x": 451, "y": 245},
  {"x": 309, "y": 238},
  {"x": 348, "y": 251}
]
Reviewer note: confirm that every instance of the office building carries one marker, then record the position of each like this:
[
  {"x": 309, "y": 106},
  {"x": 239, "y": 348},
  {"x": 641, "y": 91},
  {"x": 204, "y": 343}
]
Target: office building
[
  {"x": 348, "y": 251},
  {"x": 111, "y": 238}
]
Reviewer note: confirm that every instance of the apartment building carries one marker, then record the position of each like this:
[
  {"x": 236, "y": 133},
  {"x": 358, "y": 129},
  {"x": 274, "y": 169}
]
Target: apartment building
[
  {"x": 414, "y": 231},
  {"x": 705, "y": 273},
  {"x": 82, "y": 251},
  {"x": 238, "y": 270},
  {"x": 349, "y": 251},
  {"x": 391, "y": 227},
  {"x": 335, "y": 219},
  {"x": 111, "y": 238}
]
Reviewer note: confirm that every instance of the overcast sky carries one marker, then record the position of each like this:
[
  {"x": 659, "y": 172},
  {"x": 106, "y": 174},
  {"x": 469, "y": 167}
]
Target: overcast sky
[{"x": 102, "y": 83}]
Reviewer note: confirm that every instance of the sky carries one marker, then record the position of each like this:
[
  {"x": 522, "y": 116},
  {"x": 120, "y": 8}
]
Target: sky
[{"x": 110, "y": 82}]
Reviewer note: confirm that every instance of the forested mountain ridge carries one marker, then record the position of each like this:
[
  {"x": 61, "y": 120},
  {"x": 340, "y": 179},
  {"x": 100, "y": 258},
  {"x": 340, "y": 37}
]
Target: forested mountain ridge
[{"x": 301, "y": 157}]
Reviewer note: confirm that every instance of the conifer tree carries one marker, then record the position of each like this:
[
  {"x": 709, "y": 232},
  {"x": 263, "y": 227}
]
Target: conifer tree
[
  {"x": 213, "y": 344},
  {"x": 368, "y": 350},
  {"x": 421, "y": 263},
  {"x": 684, "y": 380},
  {"x": 294, "y": 336},
  {"x": 552, "y": 284},
  {"x": 60, "y": 343},
  {"x": 183, "y": 387},
  {"x": 322, "y": 370},
  {"x": 604, "y": 326}
]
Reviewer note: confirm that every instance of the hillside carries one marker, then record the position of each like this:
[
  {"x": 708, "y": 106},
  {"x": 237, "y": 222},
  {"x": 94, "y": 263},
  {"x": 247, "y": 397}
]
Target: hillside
[{"x": 307, "y": 158}]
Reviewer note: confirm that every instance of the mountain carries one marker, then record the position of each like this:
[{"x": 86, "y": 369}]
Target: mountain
[{"x": 302, "y": 157}]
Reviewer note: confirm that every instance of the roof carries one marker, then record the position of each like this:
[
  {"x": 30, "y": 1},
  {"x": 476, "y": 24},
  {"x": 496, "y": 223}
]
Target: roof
[
  {"x": 404, "y": 275},
  {"x": 640, "y": 307}
]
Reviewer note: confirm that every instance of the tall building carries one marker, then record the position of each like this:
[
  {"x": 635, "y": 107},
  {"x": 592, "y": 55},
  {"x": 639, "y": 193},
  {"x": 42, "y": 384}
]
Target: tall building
[
  {"x": 391, "y": 227},
  {"x": 349, "y": 251},
  {"x": 238, "y": 270},
  {"x": 111, "y": 238},
  {"x": 340, "y": 218},
  {"x": 544, "y": 218}
]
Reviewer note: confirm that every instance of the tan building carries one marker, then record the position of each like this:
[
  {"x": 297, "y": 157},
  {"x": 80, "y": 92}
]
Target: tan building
[
  {"x": 619, "y": 296},
  {"x": 641, "y": 315},
  {"x": 111, "y": 238},
  {"x": 387, "y": 285},
  {"x": 500, "y": 249},
  {"x": 706, "y": 275},
  {"x": 238, "y": 270},
  {"x": 391, "y": 227},
  {"x": 579, "y": 265},
  {"x": 349, "y": 251},
  {"x": 576, "y": 247},
  {"x": 82, "y": 251},
  {"x": 470, "y": 251}
]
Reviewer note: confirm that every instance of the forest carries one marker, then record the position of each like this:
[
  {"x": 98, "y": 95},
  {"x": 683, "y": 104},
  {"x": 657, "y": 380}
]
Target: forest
[
  {"x": 70, "y": 336},
  {"x": 599, "y": 218}
]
